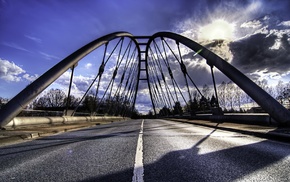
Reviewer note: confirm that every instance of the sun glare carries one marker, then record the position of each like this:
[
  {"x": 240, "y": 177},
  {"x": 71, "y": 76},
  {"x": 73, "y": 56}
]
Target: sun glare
[{"x": 217, "y": 30}]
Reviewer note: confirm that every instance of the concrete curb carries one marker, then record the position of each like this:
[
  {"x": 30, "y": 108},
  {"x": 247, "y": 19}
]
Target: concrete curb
[
  {"x": 269, "y": 132},
  {"x": 26, "y": 133}
]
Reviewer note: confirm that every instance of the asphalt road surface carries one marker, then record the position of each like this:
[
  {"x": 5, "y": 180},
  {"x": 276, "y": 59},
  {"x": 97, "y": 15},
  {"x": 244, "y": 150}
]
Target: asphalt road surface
[{"x": 146, "y": 150}]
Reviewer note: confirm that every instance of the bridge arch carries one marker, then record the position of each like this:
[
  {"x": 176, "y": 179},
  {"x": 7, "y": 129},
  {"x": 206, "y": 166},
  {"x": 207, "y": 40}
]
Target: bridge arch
[
  {"x": 269, "y": 104},
  {"x": 23, "y": 98}
]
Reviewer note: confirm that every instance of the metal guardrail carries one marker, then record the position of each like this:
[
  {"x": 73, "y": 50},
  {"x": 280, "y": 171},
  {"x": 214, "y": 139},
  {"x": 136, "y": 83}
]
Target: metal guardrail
[
  {"x": 55, "y": 120},
  {"x": 35, "y": 113}
]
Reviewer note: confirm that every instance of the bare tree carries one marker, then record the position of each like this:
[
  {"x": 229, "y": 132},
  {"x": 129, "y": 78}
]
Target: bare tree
[
  {"x": 279, "y": 89},
  {"x": 3, "y": 102},
  {"x": 53, "y": 98},
  {"x": 263, "y": 84},
  {"x": 230, "y": 92},
  {"x": 222, "y": 94},
  {"x": 89, "y": 104},
  {"x": 206, "y": 91},
  {"x": 177, "y": 108},
  {"x": 238, "y": 96},
  {"x": 73, "y": 101}
]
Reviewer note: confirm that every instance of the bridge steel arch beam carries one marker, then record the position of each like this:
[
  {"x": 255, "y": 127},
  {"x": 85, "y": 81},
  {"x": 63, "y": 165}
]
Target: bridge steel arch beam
[
  {"x": 23, "y": 98},
  {"x": 267, "y": 102}
]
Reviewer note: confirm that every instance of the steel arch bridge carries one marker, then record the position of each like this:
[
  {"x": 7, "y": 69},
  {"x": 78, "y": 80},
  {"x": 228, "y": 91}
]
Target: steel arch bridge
[{"x": 127, "y": 61}]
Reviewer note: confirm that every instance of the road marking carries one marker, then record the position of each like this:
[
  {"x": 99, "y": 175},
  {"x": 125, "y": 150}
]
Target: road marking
[{"x": 138, "y": 167}]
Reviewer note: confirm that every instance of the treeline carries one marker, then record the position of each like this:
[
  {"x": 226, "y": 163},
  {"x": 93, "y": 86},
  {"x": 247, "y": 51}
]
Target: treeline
[
  {"x": 202, "y": 105},
  {"x": 230, "y": 98},
  {"x": 57, "y": 100},
  {"x": 3, "y": 101},
  {"x": 117, "y": 106}
]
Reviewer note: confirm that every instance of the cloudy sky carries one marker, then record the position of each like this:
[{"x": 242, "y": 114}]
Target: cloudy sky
[{"x": 35, "y": 35}]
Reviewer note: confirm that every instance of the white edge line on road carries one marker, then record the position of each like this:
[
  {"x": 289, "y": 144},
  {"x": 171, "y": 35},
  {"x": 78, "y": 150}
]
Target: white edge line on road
[{"x": 138, "y": 167}]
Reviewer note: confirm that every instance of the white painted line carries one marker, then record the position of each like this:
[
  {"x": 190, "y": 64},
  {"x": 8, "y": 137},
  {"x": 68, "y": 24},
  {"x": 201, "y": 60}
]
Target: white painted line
[{"x": 138, "y": 167}]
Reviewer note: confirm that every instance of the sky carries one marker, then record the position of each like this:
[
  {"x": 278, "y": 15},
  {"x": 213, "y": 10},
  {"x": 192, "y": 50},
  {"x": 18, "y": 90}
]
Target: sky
[{"x": 35, "y": 35}]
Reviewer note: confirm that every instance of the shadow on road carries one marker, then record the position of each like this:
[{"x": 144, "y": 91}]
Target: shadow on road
[{"x": 224, "y": 165}]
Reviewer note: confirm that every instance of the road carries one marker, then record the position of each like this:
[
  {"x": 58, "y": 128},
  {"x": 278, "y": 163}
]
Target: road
[{"x": 149, "y": 150}]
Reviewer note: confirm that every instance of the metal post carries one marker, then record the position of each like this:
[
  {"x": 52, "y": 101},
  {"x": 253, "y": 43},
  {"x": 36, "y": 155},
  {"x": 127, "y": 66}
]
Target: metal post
[
  {"x": 214, "y": 85},
  {"x": 68, "y": 100}
]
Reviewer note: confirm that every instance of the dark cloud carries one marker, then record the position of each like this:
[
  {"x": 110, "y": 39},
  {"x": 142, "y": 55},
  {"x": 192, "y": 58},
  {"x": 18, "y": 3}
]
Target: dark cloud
[{"x": 254, "y": 54}]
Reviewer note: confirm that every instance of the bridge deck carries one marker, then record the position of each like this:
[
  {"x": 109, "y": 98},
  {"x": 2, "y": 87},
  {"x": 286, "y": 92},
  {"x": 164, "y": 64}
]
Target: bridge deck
[{"x": 20, "y": 134}]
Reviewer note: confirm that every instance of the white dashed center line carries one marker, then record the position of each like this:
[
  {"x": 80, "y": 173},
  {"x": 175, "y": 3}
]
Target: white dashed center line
[{"x": 138, "y": 167}]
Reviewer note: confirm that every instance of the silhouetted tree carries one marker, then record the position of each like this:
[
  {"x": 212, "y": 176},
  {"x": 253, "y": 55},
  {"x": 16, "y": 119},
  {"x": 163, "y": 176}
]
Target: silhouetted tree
[
  {"x": 177, "y": 109},
  {"x": 150, "y": 115},
  {"x": 213, "y": 101},
  {"x": 203, "y": 104},
  {"x": 73, "y": 101},
  {"x": 53, "y": 98},
  {"x": 89, "y": 104},
  {"x": 1, "y": 102},
  {"x": 193, "y": 106},
  {"x": 165, "y": 111}
]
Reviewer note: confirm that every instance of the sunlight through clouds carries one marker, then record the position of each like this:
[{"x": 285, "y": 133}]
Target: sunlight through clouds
[
  {"x": 251, "y": 43},
  {"x": 217, "y": 30}
]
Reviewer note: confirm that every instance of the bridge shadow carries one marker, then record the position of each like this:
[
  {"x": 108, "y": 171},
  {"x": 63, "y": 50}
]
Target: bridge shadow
[
  {"x": 224, "y": 165},
  {"x": 237, "y": 163}
]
